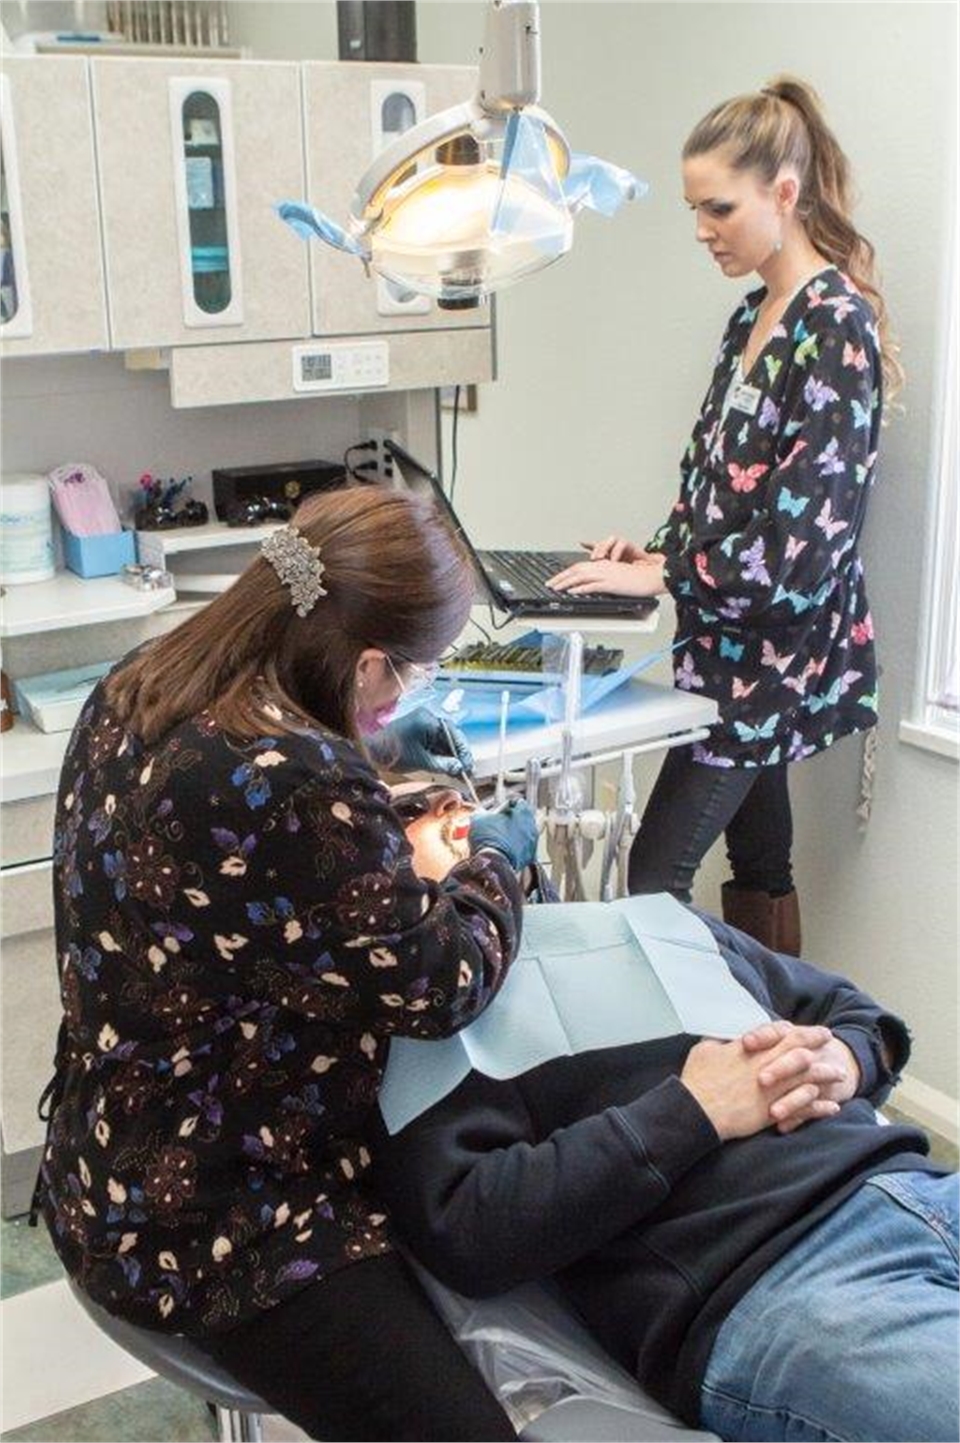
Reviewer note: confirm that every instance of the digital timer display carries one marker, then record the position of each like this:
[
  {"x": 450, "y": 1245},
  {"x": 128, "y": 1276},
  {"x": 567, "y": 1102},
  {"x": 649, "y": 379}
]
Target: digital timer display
[{"x": 316, "y": 366}]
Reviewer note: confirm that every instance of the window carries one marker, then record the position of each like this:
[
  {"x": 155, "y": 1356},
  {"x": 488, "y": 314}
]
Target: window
[{"x": 937, "y": 722}]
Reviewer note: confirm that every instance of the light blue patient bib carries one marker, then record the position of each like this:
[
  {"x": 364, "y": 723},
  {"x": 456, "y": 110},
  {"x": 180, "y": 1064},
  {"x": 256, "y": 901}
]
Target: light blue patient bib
[{"x": 588, "y": 975}]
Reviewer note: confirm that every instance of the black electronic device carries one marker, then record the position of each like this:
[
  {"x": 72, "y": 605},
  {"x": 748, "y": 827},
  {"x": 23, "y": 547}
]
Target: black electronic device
[
  {"x": 246, "y": 495},
  {"x": 377, "y": 29},
  {"x": 515, "y": 580}
]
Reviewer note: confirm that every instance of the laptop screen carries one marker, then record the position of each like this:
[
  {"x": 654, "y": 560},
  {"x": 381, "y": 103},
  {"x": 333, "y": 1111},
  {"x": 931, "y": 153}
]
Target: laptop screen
[{"x": 423, "y": 481}]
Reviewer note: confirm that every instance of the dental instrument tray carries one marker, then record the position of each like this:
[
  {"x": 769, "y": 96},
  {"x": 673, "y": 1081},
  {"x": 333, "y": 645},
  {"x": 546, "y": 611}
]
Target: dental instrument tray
[{"x": 523, "y": 660}]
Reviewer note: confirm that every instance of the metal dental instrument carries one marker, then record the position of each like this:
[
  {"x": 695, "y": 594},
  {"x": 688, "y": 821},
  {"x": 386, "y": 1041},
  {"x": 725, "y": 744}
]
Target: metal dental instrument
[
  {"x": 500, "y": 791},
  {"x": 563, "y": 828},
  {"x": 468, "y": 779},
  {"x": 533, "y": 782}
]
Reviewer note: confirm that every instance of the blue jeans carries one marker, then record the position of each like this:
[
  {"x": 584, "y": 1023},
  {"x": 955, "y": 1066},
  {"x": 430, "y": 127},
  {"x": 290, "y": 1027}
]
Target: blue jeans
[{"x": 853, "y": 1334}]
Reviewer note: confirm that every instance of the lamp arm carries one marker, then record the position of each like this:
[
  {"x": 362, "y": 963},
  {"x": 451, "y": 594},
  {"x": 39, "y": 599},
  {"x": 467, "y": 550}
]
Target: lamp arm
[{"x": 510, "y": 56}]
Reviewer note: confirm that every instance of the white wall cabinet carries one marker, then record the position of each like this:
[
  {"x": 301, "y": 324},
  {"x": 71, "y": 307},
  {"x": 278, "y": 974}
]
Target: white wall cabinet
[
  {"x": 351, "y": 111},
  {"x": 52, "y": 297},
  {"x": 144, "y": 189},
  {"x": 193, "y": 157}
]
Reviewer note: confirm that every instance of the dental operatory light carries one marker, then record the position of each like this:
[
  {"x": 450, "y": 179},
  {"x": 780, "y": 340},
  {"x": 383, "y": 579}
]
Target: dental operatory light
[{"x": 478, "y": 196}]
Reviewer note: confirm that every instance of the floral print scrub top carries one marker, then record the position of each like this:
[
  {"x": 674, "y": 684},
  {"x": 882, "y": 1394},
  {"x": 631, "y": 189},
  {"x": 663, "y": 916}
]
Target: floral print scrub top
[
  {"x": 239, "y": 931},
  {"x": 761, "y": 548}
]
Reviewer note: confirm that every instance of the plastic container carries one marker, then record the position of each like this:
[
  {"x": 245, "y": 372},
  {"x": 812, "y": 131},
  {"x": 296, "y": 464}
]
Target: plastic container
[
  {"x": 26, "y": 529},
  {"x": 55, "y": 700},
  {"x": 99, "y": 555}
]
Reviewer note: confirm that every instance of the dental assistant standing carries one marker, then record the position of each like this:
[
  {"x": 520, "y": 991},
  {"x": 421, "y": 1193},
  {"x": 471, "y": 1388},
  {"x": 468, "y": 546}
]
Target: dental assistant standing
[
  {"x": 761, "y": 550},
  {"x": 240, "y": 930}
]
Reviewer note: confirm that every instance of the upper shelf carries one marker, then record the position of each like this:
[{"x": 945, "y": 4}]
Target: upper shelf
[
  {"x": 201, "y": 538},
  {"x": 69, "y": 600}
]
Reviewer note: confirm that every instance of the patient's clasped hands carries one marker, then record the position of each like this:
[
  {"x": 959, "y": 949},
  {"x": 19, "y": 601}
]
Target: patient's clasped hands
[{"x": 778, "y": 1075}]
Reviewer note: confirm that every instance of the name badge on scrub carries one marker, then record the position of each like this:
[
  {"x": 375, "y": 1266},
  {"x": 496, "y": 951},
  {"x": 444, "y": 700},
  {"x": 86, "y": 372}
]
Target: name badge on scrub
[{"x": 745, "y": 398}]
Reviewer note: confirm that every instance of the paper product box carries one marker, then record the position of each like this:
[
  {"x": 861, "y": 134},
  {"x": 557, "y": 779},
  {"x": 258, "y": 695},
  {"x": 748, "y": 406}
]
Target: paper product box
[
  {"x": 98, "y": 555},
  {"x": 55, "y": 700}
]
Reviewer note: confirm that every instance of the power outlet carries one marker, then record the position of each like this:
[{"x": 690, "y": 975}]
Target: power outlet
[{"x": 384, "y": 470}]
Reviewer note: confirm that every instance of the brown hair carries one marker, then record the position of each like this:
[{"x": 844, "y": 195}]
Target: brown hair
[
  {"x": 397, "y": 578},
  {"x": 785, "y": 125}
]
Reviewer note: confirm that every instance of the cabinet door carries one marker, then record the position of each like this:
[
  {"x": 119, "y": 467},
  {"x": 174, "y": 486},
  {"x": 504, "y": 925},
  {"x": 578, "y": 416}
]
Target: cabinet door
[
  {"x": 351, "y": 110},
  {"x": 193, "y": 157},
  {"x": 31, "y": 1000},
  {"x": 30, "y": 1019},
  {"x": 51, "y": 288}
]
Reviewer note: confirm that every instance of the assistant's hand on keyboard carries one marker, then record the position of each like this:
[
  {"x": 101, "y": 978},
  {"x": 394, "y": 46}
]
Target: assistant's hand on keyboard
[{"x": 619, "y": 578}]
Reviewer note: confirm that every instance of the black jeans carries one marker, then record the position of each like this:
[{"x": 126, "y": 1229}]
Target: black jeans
[
  {"x": 691, "y": 804},
  {"x": 362, "y": 1355}
]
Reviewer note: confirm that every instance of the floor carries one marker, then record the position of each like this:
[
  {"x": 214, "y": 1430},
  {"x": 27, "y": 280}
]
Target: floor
[{"x": 62, "y": 1379}]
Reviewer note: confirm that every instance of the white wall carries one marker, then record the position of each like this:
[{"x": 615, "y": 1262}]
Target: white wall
[{"x": 90, "y": 408}]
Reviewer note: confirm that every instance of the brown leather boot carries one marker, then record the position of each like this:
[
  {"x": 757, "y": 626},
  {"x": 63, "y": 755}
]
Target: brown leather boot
[
  {"x": 787, "y": 923},
  {"x": 774, "y": 921}
]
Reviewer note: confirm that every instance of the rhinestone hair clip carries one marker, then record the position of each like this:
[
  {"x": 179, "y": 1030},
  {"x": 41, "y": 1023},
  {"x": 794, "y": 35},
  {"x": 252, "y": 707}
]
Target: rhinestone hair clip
[{"x": 298, "y": 566}]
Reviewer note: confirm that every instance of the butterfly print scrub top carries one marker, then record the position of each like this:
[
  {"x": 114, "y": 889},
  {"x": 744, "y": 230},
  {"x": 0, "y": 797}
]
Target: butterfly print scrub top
[
  {"x": 762, "y": 546},
  {"x": 240, "y": 930}
]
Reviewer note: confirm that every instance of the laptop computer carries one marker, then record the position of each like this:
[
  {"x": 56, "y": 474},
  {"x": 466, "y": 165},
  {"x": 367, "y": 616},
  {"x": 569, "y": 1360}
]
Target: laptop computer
[{"x": 515, "y": 580}]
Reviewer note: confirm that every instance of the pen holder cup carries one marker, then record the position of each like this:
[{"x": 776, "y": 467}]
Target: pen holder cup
[{"x": 99, "y": 555}]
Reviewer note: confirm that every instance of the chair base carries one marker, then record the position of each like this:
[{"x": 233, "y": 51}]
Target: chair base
[{"x": 236, "y": 1427}]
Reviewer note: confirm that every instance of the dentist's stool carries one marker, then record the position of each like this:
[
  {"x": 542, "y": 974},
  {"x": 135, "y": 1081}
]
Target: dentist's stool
[{"x": 180, "y": 1361}]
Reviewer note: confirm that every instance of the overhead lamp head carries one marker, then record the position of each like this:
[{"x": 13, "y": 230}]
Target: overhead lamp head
[
  {"x": 466, "y": 203},
  {"x": 481, "y": 195}
]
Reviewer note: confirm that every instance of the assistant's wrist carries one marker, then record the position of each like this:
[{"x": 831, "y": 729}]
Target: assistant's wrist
[
  {"x": 669, "y": 574},
  {"x": 658, "y": 567}
]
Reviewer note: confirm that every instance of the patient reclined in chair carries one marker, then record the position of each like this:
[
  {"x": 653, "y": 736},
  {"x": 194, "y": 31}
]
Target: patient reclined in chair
[{"x": 691, "y": 1199}]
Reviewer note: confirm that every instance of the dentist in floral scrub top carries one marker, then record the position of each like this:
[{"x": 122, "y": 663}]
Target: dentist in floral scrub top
[
  {"x": 761, "y": 550},
  {"x": 242, "y": 926}
]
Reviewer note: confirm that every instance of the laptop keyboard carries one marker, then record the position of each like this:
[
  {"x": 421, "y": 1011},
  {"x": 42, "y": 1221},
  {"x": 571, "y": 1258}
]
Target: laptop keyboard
[{"x": 532, "y": 568}]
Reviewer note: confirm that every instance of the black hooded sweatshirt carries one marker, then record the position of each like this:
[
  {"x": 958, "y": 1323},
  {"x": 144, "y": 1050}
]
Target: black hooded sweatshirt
[{"x": 602, "y": 1171}]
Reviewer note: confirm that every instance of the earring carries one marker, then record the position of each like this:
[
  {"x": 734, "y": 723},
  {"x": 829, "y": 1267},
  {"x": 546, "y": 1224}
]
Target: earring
[{"x": 778, "y": 243}]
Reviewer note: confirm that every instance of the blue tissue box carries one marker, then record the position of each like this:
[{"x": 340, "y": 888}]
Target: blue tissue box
[{"x": 99, "y": 555}]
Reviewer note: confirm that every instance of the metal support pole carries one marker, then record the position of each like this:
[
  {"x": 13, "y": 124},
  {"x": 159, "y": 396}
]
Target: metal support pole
[{"x": 236, "y": 1427}]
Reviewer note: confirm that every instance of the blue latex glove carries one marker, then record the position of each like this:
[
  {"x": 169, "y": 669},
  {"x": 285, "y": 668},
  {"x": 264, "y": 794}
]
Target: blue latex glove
[
  {"x": 512, "y": 832},
  {"x": 419, "y": 742}
]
